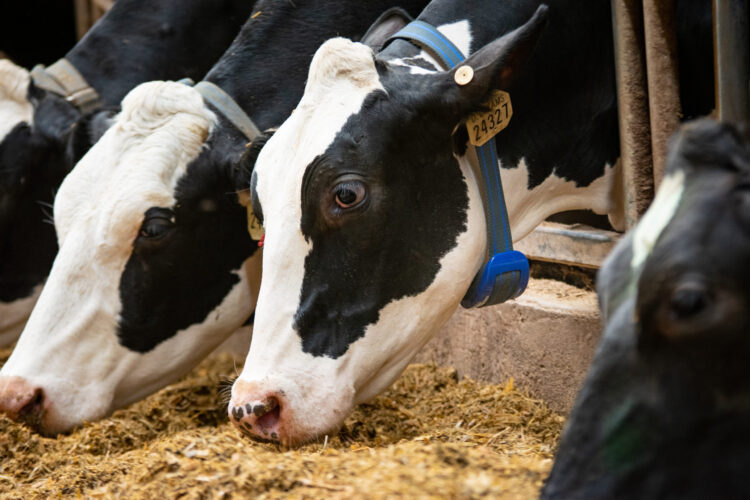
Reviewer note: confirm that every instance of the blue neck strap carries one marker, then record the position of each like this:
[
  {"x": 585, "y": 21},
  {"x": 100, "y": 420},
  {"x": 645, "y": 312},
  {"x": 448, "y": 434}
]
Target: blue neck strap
[{"x": 506, "y": 273}]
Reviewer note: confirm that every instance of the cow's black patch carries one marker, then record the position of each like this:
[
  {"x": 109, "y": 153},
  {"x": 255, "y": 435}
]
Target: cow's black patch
[
  {"x": 250, "y": 319},
  {"x": 176, "y": 280},
  {"x": 32, "y": 165},
  {"x": 390, "y": 247}
]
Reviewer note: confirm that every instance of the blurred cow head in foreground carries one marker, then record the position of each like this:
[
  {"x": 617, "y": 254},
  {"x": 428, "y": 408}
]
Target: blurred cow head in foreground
[{"x": 664, "y": 412}]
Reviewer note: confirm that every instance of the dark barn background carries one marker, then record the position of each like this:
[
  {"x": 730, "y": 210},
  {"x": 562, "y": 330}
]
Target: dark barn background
[{"x": 37, "y": 31}]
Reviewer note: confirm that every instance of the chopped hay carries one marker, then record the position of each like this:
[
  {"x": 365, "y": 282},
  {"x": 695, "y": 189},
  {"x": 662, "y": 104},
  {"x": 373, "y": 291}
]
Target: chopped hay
[{"x": 430, "y": 436}]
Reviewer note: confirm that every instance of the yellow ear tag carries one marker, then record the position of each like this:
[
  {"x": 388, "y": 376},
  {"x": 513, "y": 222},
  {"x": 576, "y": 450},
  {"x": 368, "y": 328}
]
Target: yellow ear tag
[
  {"x": 485, "y": 125},
  {"x": 253, "y": 224}
]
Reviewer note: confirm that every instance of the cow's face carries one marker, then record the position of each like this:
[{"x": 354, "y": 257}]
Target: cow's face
[
  {"x": 152, "y": 271},
  {"x": 16, "y": 114},
  {"x": 374, "y": 231},
  {"x": 670, "y": 380},
  {"x": 699, "y": 262},
  {"x": 40, "y": 135},
  {"x": 690, "y": 233}
]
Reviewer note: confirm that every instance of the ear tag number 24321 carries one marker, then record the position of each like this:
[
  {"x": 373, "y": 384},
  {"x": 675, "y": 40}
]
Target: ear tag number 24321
[{"x": 485, "y": 125}]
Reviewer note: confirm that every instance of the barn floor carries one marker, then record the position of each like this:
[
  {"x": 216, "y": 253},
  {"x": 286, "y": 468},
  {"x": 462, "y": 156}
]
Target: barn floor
[{"x": 430, "y": 436}]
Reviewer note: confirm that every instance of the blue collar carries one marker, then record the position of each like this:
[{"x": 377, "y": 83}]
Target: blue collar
[{"x": 506, "y": 273}]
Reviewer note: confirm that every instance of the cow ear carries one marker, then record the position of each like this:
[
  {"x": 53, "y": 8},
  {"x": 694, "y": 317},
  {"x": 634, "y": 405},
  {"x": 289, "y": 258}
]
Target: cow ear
[
  {"x": 243, "y": 169},
  {"x": 389, "y": 22},
  {"x": 87, "y": 131},
  {"x": 495, "y": 66}
]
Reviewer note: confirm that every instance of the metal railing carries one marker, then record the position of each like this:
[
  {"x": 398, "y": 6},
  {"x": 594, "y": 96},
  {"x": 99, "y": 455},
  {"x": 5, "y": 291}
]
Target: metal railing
[
  {"x": 88, "y": 12},
  {"x": 649, "y": 112}
]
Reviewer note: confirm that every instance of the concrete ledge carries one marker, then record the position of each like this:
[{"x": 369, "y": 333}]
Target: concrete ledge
[{"x": 545, "y": 340}]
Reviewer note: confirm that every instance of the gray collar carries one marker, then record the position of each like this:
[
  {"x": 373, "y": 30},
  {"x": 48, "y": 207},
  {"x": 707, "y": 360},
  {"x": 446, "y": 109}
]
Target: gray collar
[
  {"x": 227, "y": 107},
  {"x": 63, "y": 79}
]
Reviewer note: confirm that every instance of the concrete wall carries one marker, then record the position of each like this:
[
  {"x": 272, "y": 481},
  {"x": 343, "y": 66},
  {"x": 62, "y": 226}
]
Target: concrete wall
[{"x": 545, "y": 340}]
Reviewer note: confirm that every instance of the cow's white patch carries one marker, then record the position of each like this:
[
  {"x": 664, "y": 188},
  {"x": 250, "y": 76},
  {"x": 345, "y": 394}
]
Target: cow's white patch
[
  {"x": 459, "y": 33},
  {"x": 69, "y": 346},
  {"x": 657, "y": 217},
  {"x": 13, "y": 316},
  {"x": 527, "y": 208},
  {"x": 14, "y": 106}
]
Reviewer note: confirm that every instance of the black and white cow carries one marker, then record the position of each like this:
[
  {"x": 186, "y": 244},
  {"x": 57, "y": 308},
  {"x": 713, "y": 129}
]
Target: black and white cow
[
  {"x": 42, "y": 134},
  {"x": 664, "y": 410},
  {"x": 156, "y": 266},
  {"x": 373, "y": 217}
]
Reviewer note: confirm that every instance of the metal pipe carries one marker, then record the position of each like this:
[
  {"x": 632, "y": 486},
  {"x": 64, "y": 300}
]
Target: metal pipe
[
  {"x": 731, "y": 64},
  {"x": 663, "y": 78},
  {"x": 632, "y": 101}
]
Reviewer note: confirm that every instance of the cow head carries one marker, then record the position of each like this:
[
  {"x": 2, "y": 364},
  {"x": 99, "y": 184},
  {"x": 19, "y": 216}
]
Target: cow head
[
  {"x": 16, "y": 114},
  {"x": 374, "y": 231},
  {"x": 40, "y": 136},
  {"x": 152, "y": 271},
  {"x": 663, "y": 412}
]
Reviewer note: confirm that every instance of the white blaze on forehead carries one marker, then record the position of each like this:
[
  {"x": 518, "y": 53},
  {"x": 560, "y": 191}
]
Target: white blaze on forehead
[
  {"x": 69, "y": 345},
  {"x": 135, "y": 165},
  {"x": 14, "y": 106},
  {"x": 342, "y": 74},
  {"x": 657, "y": 217}
]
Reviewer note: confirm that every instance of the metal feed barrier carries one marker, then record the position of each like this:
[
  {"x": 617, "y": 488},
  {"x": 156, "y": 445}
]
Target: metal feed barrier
[{"x": 649, "y": 112}]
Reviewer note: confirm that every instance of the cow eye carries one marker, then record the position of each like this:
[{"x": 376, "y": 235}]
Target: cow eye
[
  {"x": 689, "y": 299},
  {"x": 156, "y": 225},
  {"x": 350, "y": 194}
]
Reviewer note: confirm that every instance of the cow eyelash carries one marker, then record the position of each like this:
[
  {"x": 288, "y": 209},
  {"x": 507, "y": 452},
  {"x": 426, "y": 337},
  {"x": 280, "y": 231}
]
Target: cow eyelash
[{"x": 156, "y": 224}]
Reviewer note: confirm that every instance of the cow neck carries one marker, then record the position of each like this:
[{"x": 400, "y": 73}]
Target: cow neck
[
  {"x": 488, "y": 20},
  {"x": 554, "y": 91},
  {"x": 227, "y": 107},
  {"x": 242, "y": 75},
  {"x": 270, "y": 44},
  {"x": 142, "y": 40},
  {"x": 506, "y": 273}
]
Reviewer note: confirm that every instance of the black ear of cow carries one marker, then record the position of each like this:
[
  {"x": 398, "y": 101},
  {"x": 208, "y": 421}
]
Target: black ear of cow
[
  {"x": 495, "y": 65},
  {"x": 87, "y": 131},
  {"x": 244, "y": 168},
  {"x": 389, "y": 22}
]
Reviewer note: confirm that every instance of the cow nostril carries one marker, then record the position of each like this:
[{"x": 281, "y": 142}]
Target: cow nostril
[
  {"x": 271, "y": 404},
  {"x": 268, "y": 421},
  {"x": 34, "y": 404}
]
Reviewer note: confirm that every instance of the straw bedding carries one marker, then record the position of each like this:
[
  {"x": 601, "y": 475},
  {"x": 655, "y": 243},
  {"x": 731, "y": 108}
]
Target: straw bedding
[{"x": 430, "y": 436}]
